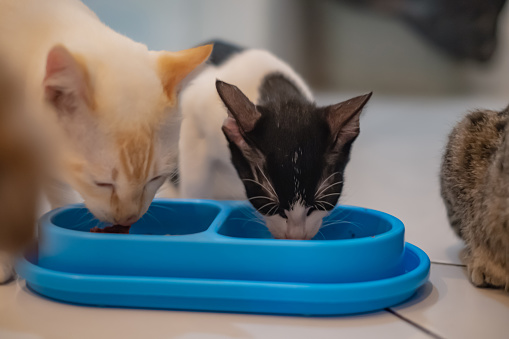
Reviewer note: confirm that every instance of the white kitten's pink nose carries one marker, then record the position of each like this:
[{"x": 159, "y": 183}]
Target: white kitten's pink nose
[{"x": 128, "y": 221}]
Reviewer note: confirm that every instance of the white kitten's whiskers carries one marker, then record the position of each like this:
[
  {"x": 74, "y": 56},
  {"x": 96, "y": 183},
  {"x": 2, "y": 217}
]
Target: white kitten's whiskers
[{"x": 148, "y": 213}]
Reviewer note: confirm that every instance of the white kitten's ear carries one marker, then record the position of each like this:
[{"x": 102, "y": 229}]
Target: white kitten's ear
[
  {"x": 343, "y": 118},
  {"x": 242, "y": 113},
  {"x": 174, "y": 67},
  {"x": 66, "y": 83}
]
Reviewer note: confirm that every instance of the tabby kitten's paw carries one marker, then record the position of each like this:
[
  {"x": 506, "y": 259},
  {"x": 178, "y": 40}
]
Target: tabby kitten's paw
[{"x": 486, "y": 273}]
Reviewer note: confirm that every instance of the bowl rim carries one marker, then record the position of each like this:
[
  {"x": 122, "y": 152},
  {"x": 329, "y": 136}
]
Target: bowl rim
[{"x": 211, "y": 233}]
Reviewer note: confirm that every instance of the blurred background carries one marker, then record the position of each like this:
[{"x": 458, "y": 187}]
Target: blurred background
[{"x": 424, "y": 47}]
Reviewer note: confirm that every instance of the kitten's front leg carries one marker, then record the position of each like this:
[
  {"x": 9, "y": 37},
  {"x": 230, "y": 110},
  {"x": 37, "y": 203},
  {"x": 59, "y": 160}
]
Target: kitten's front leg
[
  {"x": 484, "y": 271},
  {"x": 6, "y": 267}
]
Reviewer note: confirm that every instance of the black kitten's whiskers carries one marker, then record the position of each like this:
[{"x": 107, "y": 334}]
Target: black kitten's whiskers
[
  {"x": 249, "y": 221},
  {"x": 323, "y": 236},
  {"x": 318, "y": 194},
  {"x": 272, "y": 208},
  {"x": 324, "y": 182},
  {"x": 273, "y": 195},
  {"x": 262, "y": 197},
  {"x": 323, "y": 186},
  {"x": 339, "y": 222},
  {"x": 248, "y": 211},
  {"x": 251, "y": 216},
  {"x": 269, "y": 204},
  {"x": 329, "y": 195},
  {"x": 317, "y": 205},
  {"x": 268, "y": 182},
  {"x": 321, "y": 202}
]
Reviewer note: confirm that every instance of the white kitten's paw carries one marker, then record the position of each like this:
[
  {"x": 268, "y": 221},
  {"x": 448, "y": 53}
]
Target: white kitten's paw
[
  {"x": 486, "y": 273},
  {"x": 6, "y": 268}
]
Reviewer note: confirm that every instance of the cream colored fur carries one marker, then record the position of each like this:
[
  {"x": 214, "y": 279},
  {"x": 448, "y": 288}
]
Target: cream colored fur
[
  {"x": 104, "y": 107},
  {"x": 18, "y": 175},
  {"x": 124, "y": 130}
]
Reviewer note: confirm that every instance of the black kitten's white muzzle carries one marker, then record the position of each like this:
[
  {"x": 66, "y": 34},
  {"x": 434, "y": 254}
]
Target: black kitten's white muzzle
[{"x": 297, "y": 225}]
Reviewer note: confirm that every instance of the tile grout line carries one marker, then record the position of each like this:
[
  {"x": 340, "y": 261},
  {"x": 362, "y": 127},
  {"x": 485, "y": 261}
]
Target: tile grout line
[
  {"x": 414, "y": 324},
  {"x": 447, "y": 264}
]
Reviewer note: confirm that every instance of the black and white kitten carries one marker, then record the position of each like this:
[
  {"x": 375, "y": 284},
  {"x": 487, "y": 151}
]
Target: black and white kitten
[{"x": 284, "y": 153}]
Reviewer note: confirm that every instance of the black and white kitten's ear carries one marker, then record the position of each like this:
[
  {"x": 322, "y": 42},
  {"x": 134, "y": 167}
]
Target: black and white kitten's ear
[
  {"x": 343, "y": 118},
  {"x": 66, "y": 83},
  {"x": 242, "y": 113}
]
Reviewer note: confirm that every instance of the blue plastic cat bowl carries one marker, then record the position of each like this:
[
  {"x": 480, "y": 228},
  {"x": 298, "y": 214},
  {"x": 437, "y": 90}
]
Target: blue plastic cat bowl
[{"x": 220, "y": 257}]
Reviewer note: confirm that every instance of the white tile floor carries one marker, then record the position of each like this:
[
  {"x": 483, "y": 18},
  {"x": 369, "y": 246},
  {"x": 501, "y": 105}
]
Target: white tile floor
[{"x": 394, "y": 168}]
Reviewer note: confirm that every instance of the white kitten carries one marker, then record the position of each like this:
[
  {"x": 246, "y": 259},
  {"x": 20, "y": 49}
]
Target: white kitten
[{"x": 104, "y": 106}]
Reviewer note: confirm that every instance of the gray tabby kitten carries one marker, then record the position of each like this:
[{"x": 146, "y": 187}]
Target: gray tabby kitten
[{"x": 475, "y": 189}]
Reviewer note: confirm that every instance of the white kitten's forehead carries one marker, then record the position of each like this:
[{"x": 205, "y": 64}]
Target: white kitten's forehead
[{"x": 132, "y": 95}]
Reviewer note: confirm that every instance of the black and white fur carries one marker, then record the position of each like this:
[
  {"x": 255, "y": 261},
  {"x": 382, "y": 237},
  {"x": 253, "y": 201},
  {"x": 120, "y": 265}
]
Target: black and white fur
[{"x": 251, "y": 128}]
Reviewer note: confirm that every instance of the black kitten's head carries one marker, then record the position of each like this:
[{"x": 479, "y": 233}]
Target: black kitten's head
[{"x": 291, "y": 156}]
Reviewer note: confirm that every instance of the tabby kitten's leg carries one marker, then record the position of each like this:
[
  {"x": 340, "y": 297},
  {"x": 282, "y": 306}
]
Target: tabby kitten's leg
[
  {"x": 475, "y": 189},
  {"x": 483, "y": 271},
  {"x": 487, "y": 236}
]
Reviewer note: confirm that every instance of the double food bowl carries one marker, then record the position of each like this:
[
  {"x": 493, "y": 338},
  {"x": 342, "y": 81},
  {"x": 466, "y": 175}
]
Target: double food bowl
[{"x": 218, "y": 256}]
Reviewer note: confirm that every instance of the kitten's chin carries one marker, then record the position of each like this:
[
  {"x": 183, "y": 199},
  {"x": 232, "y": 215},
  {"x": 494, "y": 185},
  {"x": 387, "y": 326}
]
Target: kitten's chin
[
  {"x": 280, "y": 228},
  {"x": 126, "y": 217}
]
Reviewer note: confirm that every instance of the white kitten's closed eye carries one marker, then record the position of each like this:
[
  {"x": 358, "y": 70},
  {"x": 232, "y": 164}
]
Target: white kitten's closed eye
[
  {"x": 104, "y": 184},
  {"x": 156, "y": 178},
  {"x": 111, "y": 185}
]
